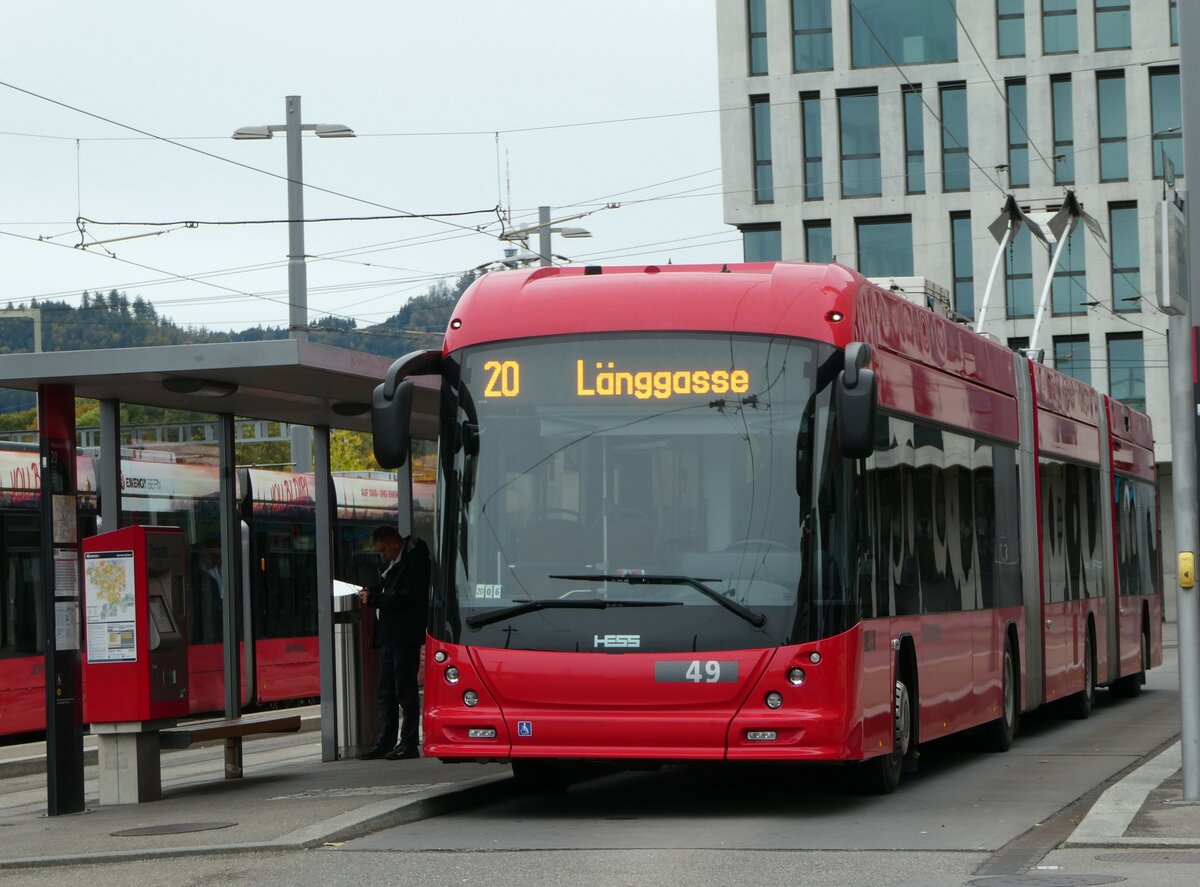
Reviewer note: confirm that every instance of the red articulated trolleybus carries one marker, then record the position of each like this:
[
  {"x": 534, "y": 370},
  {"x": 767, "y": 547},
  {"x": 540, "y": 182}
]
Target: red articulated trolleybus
[{"x": 764, "y": 512}]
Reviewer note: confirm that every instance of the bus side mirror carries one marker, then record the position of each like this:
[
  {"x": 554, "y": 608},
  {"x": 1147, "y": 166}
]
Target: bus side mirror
[
  {"x": 391, "y": 406},
  {"x": 856, "y": 399},
  {"x": 390, "y": 421}
]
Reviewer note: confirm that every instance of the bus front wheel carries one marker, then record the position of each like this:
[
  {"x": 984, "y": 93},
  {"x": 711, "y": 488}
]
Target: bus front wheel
[{"x": 881, "y": 775}]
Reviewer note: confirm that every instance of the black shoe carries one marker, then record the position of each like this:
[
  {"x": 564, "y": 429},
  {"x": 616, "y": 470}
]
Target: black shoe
[
  {"x": 370, "y": 754},
  {"x": 403, "y": 752}
]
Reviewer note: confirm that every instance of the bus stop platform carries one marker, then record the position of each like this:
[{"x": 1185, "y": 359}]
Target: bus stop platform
[{"x": 288, "y": 800}]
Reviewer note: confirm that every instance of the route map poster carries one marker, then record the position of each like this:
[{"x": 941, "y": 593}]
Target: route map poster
[{"x": 108, "y": 583}]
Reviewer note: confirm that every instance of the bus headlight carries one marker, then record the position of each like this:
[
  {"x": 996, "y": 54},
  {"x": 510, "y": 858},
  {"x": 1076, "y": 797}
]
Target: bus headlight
[
  {"x": 440, "y": 656},
  {"x": 795, "y": 676},
  {"x": 774, "y": 699},
  {"x": 451, "y": 674},
  {"x": 470, "y": 699}
]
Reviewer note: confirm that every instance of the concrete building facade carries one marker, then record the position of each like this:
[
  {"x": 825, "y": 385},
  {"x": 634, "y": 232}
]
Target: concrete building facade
[{"x": 887, "y": 134}]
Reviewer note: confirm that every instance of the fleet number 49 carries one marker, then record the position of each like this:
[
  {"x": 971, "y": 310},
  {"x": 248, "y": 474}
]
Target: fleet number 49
[
  {"x": 706, "y": 672},
  {"x": 697, "y": 671}
]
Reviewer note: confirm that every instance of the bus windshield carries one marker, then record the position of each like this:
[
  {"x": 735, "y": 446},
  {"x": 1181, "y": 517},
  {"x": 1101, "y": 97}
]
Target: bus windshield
[{"x": 653, "y": 492}]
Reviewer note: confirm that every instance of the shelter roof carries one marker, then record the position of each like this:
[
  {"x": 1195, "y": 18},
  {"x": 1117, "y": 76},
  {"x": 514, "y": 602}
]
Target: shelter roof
[{"x": 284, "y": 380}]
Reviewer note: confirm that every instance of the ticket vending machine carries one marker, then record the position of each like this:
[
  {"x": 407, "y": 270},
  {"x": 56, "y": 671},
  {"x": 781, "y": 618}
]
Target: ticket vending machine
[{"x": 135, "y": 664}]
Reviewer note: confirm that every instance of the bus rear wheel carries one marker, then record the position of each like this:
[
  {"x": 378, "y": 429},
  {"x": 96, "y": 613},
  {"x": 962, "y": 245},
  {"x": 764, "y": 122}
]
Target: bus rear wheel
[
  {"x": 1131, "y": 685},
  {"x": 881, "y": 775},
  {"x": 997, "y": 736},
  {"x": 1080, "y": 705}
]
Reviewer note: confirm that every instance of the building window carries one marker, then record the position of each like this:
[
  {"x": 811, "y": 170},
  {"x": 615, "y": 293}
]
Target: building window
[
  {"x": 1174, "y": 12},
  {"x": 1112, "y": 24},
  {"x": 1114, "y": 152},
  {"x": 818, "y": 241},
  {"x": 756, "y": 16},
  {"x": 1166, "y": 122},
  {"x": 814, "y": 168},
  {"x": 956, "y": 157},
  {"x": 1018, "y": 343},
  {"x": 1073, "y": 357},
  {"x": 1068, "y": 292},
  {"x": 885, "y": 246},
  {"x": 1064, "y": 129},
  {"x": 914, "y": 140},
  {"x": 884, "y": 32},
  {"x": 1010, "y": 28},
  {"x": 858, "y": 113},
  {"x": 812, "y": 35},
  {"x": 1126, "y": 257},
  {"x": 1018, "y": 134},
  {"x": 760, "y": 130},
  {"x": 1127, "y": 370},
  {"x": 762, "y": 243},
  {"x": 1018, "y": 272},
  {"x": 1059, "y": 33},
  {"x": 964, "y": 264}
]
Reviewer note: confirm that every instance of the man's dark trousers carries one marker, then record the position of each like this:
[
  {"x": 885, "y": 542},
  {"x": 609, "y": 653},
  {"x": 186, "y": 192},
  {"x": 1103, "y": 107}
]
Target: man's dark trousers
[{"x": 398, "y": 667}]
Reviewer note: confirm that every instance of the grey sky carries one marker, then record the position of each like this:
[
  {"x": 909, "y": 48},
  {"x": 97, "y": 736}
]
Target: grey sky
[{"x": 194, "y": 72}]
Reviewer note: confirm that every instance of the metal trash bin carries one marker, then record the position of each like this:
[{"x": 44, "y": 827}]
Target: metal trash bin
[{"x": 354, "y": 674}]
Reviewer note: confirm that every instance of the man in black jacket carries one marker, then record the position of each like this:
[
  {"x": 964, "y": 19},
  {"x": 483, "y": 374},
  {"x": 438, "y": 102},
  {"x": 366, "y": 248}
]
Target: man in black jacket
[{"x": 402, "y": 602}]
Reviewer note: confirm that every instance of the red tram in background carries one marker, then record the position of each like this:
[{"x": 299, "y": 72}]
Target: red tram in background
[
  {"x": 279, "y": 614},
  {"x": 764, "y": 512}
]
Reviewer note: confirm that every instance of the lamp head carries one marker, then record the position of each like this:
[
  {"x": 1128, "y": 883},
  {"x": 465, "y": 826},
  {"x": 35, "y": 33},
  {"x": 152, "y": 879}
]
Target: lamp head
[
  {"x": 252, "y": 132},
  {"x": 334, "y": 131}
]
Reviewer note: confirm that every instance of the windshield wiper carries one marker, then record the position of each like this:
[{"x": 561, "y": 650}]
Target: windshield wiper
[
  {"x": 481, "y": 619},
  {"x": 758, "y": 620}
]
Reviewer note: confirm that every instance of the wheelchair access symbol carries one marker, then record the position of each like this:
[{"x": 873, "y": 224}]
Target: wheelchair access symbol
[{"x": 524, "y": 728}]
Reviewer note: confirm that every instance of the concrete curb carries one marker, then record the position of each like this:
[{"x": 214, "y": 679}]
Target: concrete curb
[
  {"x": 1106, "y": 823},
  {"x": 343, "y": 827}
]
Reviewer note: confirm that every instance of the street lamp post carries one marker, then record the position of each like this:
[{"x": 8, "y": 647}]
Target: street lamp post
[{"x": 297, "y": 268}]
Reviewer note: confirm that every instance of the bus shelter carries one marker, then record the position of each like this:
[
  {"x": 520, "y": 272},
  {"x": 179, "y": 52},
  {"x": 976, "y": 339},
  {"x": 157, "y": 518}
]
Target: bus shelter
[{"x": 294, "y": 381}]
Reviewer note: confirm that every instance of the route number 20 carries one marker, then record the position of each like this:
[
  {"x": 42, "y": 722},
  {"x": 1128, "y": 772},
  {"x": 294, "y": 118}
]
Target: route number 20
[
  {"x": 707, "y": 672},
  {"x": 505, "y": 378}
]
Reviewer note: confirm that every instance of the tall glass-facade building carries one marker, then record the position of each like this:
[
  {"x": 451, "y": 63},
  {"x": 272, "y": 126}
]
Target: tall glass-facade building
[{"x": 891, "y": 131}]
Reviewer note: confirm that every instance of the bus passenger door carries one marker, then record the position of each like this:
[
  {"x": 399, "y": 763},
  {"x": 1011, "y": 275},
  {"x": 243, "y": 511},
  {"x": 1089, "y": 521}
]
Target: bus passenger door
[
  {"x": 1129, "y": 565},
  {"x": 1056, "y": 617}
]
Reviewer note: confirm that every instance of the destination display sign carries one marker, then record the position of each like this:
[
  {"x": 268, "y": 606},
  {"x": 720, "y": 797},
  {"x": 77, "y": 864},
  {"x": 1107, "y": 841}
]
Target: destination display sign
[{"x": 651, "y": 372}]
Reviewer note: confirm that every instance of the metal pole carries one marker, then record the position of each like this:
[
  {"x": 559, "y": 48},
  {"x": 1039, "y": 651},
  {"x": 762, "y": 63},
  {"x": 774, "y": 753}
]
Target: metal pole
[
  {"x": 544, "y": 236},
  {"x": 231, "y": 558},
  {"x": 297, "y": 271},
  {"x": 1183, "y": 483},
  {"x": 60, "y": 622},
  {"x": 1183, "y": 419},
  {"x": 109, "y": 475},
  {"x": 324, "y": 545}
]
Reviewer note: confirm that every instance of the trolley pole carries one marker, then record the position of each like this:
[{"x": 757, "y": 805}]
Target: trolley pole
[{"x": 1183, "y": 421}]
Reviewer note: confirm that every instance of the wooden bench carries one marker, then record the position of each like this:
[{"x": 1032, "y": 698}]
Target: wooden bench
[{"x": 231, "y": 731}]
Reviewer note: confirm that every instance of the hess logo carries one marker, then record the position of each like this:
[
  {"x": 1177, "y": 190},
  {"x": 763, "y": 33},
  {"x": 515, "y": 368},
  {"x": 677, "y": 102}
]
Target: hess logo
[{"x": 618, "y": 640}]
